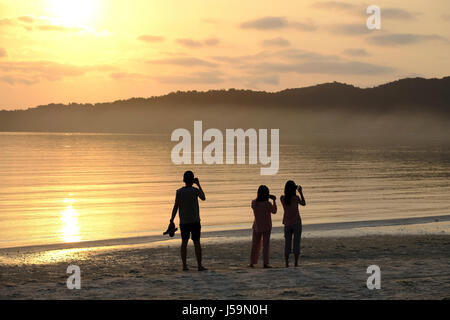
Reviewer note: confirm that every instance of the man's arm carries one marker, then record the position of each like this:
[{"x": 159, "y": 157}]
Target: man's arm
[
  {"x": 175, "y": 208},
  {"x": 201, "y": 194}
]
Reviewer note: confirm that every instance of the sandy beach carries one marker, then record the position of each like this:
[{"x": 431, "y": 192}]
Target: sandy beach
[
  {"x": 332, "y": 267},
  {"x": 324, "y": 120}
]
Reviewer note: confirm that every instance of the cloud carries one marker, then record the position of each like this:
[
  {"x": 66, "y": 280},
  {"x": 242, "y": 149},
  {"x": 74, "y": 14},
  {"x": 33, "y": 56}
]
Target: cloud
[
  {"x": 386, "y": 13},
  {"x": 12, "y": 80},
  {"x": 54, "y": 27},
  {"x": 127, "y": 75},
  {"x": 352, "y": 68},
  {"x": 31, "y": 72},
  {"x": 185, "y": 61},
  {"x": 27, "y": 19},
  {"x": 304, "y": 26},
  {"x": 31, "y": 23},
  {"x": 195, "y": 78},
  {"x": 350, "y": 29},
  {"x": 24, "y": 21},
  {"x": 191, "y": 43},
  {"x": 302, "y": 55},
  {"x": 289, "y": 54},
  {"x": 325, "y": 67},
  {"x": 253, "y": 81},
  {"x": 397, "y": 39},
  {"x": 266, "y": 23},
  {"x": 277, "y": 23},
  {"x": 304, "y": 62},
  {"x": 334, "y": 5},
  {"x": 396, "y": 13},
  {"x": 276, "y": 42},
  {"x": 212, "y": 77},
  {"x": 3, "y": 53},
  {"x": 150, "y": 38},
  {"x": 359, "y": 52},
  {"x": 265, "y": 80},
  {"x": 243, "y": 58},
  {"x": 7, "y": 22},
  {"x": 44, "y": 67},
  {"x": 211, "y": 41}
]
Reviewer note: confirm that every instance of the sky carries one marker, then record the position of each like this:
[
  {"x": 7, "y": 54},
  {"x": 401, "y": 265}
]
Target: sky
[{"x": 88, "y": 51}]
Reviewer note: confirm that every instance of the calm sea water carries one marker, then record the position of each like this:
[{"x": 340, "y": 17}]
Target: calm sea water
[{"x": 58, "y": 188}]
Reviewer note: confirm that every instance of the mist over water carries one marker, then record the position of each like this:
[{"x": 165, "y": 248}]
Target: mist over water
[{"x": 65, "y": 187}]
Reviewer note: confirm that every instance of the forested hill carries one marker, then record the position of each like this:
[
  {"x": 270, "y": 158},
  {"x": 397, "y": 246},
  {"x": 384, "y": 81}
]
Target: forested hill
[{"x": 412, "y": 95}]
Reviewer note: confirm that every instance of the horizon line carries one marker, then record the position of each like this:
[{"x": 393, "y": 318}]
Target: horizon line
[{"x": 223, "y": 89}]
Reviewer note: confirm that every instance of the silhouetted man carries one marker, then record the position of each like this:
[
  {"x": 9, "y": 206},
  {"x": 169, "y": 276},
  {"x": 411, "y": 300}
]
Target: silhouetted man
[{"x": 186, "y": 201}]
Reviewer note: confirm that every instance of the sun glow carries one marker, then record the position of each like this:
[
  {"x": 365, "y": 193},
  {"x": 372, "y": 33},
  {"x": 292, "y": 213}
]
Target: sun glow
[
  {"x": 70, "y": 231},
  {"x": 74, "y": 13}
]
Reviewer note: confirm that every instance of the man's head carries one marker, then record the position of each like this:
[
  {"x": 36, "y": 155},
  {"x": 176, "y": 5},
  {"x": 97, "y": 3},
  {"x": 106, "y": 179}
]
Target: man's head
[{"x": 188, "y": 178}]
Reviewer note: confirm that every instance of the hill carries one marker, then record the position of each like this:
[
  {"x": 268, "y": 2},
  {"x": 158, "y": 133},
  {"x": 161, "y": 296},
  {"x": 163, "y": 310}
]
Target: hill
[{"x": 417, "y": 96}]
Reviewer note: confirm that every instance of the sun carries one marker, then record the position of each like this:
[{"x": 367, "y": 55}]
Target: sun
[{"x": 74, "y": 13}]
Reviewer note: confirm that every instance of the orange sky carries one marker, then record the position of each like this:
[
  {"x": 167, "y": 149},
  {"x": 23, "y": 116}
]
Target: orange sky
[{"x": 104, "y": 50}]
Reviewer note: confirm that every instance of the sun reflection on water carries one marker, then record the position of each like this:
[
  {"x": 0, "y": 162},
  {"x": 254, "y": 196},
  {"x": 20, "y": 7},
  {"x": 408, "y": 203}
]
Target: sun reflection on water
[{"x": 70, "y": 231}]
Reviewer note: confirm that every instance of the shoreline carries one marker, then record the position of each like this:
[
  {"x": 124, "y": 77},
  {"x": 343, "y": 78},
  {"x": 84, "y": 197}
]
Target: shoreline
[{"x": 319, "y": 228}]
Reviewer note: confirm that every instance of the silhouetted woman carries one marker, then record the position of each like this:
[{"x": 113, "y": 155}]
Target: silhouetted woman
[
  {"x": 262, "y": 226},
  {"x": 291, "y": 219}
]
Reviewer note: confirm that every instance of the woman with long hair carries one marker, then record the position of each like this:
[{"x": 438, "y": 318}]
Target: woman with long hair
[
  {"x": 291, "y": 219},
  {"x": 262, "y": 226}
]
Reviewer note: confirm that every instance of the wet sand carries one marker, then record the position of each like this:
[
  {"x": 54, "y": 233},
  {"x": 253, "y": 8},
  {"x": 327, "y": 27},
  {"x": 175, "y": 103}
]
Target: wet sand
[{"x": 412, "y": 267}]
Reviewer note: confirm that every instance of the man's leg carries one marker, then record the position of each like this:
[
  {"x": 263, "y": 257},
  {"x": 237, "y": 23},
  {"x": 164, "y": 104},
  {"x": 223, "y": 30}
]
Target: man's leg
[
  {"x": 184, "y": 243},
  {"x": 198, "y": 255},
  {"x": 198, "y": 248}
]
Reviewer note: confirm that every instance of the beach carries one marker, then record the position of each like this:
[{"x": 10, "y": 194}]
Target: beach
[
  {"x": 323, "y": 120},
  {"x": 333, "y": 265},
  {"x": 66, "y": 205}
]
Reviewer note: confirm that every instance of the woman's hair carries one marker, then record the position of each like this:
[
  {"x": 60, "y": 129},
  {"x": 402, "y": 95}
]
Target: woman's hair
[
  {"x": 289, "y": 191},
  {"x": 263, "y": 193}
]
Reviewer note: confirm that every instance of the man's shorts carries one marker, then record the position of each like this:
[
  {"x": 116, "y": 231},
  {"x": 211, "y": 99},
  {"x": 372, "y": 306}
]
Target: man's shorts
[{"x": 190, "y": 230}]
